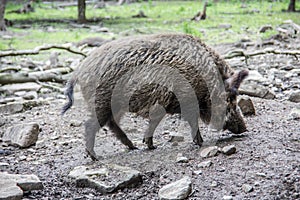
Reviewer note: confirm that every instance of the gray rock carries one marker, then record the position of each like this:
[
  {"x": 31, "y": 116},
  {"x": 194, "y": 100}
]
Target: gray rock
[
  {"x": 294, "y": 114},
  {"x": 22, "y": 135},
  {"x": 295, "y": 97},
  {"x": 25, "y": 182},
  {"x": 12, "y": 88},
  {"x": 205, "y": 164},
  {"x": 11, "y": 108},
  {"x": 225, "y": 26},
  {"x": 9, "y": 190},
  {"x": 246, "y": 106},
  {"x": 177, "y": 190},
  {"x": 256, "y": 90},
  {"x": 16, "y": 107},
  {"x": 265, "y": 28},
  {"x": 106, "y": 179},
  {"x": 255, "y": 76},
  {"x": 209, "y": 152},
  {"x": 13, "y": 185},
  {"x": 247, "y": 188},
  {"x": 228, "y": 150}
]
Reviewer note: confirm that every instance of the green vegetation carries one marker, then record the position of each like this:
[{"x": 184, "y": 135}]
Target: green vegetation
[{"x": 171, "y": 16}]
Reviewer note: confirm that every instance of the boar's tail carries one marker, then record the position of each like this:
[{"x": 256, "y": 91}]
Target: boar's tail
[{"x": 69, "y": 93}]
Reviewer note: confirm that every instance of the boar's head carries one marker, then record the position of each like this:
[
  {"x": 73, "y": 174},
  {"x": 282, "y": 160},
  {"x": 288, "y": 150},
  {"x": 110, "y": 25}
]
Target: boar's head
[{"x": 234, "y": 121}]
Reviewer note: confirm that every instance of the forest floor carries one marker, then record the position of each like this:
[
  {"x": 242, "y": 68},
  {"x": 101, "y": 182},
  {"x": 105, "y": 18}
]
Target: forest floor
[{"x": 267, "y": 159}]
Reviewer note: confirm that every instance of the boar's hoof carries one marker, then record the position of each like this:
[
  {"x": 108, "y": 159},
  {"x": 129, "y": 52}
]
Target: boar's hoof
[
  {"x": 198, "y": 139},
  {"x": 149, "y": 142},
  {"x": 132, "y": 147},
  {"x": 92, "y": 154}
]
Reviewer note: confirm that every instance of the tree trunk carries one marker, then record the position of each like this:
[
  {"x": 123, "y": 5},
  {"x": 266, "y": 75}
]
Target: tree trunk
[
  {"x": 292, "y": 6},
  {"x": 81, "y": 11},
  {"x": 2, "y": 11}
]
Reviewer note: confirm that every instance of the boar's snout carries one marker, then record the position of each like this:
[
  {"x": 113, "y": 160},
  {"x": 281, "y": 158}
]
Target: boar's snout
[{"x": 234, "y": 121}]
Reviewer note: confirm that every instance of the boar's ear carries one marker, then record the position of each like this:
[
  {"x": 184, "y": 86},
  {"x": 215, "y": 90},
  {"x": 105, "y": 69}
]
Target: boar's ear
[{"x": 235, "y": 81}]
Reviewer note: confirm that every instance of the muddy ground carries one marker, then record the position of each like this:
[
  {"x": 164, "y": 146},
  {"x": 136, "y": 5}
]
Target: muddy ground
[{"x": 267, "y": 157}]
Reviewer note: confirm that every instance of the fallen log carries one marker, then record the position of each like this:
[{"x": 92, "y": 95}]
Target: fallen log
[
  {"x": 52, "y": 75},
  {"x": 37, "y": 50}
]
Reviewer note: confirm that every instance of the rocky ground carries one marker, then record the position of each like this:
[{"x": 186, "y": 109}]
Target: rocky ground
[{"x": 263, "y": 162}]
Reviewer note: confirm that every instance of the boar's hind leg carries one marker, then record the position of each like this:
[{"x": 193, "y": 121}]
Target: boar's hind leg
[
  {"x": 120, "y": 134},
  {"x": 91, "y": 128},
  {"x": 148, "y": 137},
  {"x": 156, "y": 114}
]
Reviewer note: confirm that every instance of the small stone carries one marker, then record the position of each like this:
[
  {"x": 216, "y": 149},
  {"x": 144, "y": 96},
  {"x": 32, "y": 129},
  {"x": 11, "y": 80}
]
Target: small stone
[
  {"x": 22, "y": 135},
  {"x": 22, "y": 158},
  {"x": 247, "y": 188},
  {"x": 176, "y": 138},
  {"x": 228, "y": 150},
  {"x": 182, "y": 159},
  {"x": 228, "y": 197},
  {"x": 174, "y": 144},
  {"x": 246, "y": 106},
  {"x": 265, "y": 28},
  {"x": 209, "y": 152},
  {"x": 76, "y": 123},
  {"x": 197, "y": 172},
  {"x": 261, "y": 174},
  {"x": 3, "y": 165},
  {"x": 225, "y": 26},
  {"x": 205, "y": 164},
  {"x": 177, "y": 190},
  {"x": 214, "y": 184},
  {"x": 45, "y": 90},
  {"x": 30, "y": 95},
  {"x": 295, "y": 97}
]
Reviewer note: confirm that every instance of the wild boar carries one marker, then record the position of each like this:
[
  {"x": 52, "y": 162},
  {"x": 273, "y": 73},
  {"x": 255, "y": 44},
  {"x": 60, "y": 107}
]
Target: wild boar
[{"x": 154, "y": 75}]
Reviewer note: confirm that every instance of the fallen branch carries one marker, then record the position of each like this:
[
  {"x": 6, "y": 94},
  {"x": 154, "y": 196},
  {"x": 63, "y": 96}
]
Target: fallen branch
[
  {"x": 37, "y": 50},
  {"x": 52, "y": 87},
  {"x": 241, "y": 53}
]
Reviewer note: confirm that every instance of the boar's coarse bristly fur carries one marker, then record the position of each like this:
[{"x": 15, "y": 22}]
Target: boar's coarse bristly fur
[{"x": 99, "y": 73}]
